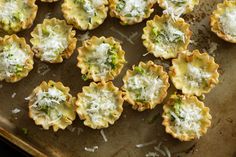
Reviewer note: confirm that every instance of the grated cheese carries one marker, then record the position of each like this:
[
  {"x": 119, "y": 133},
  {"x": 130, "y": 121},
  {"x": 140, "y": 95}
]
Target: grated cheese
[
  {"x": 174, "y": 10},
  {"x": 152, "y": 154},
  {"x": 15, "y": 111},
  {"x": 103, "y": 135},
  {"x": 122, "y": 35},
  {"x": 13, "y": 95},
  {"x": 43, "y": 69},
  {"x": 134, "y": 8},
  {"x": 228, "y": 22},
  {"x": 92, "y": 149},
  {"x": 83, "y": 37},
  {"x": 8, "y": 9},
  {"x": 146, "y": 144}
]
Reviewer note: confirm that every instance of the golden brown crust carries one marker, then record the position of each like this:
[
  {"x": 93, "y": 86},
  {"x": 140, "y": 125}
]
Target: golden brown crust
[
  {"x": 153, "y": 69},
  {"x": 79, "y": 18},
  {"x": 189, "y": 7},
  {"x": 106, "y": 119},
  {"x": 67, "y": 111},
  {"x": 90, "y": 46},
  {"x": 27, "y": 23},
  {"x": 124, "y": 20},
  {"x": 63, "y": 28},
  {"x": 205, "y": 121},
  {"x": 204, "y": 62},
  {"x": 28, "y": 63},
  {"x": 158, "y": 22},
  {"x": 215, "y": 20}
]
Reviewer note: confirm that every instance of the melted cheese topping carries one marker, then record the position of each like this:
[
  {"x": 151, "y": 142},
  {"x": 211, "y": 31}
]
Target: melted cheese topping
[
  {"x": 53, "y": 44},
  {"x": 196, "y": 75},
  {"x": 144, "y": 87},
  {"x": 228, "y": 22},
  {"x": 132, "y": 8},
  {"x": 100, "y": 60},
  {"x": 48, "y": 103},
  {"x": 187, "y": 118},
  {"x": 98, "y": 104},
  {"x": 12, "y": 60}
]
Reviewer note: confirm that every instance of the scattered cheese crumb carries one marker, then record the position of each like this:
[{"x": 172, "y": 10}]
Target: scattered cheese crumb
[
  {"x": 152, "y": 154},
  {"x": 103, "y": 135},
  {"x": 167, "y": 151},
  {"x": 13, "y": 95},
  {"x": 122, "y": 35},
  {"x": 146, "y": 144},
  {"x": 43, "y": 69},
  {"x": 83, "y": 37},
  {"x": 213, "y": 48},
  {"x": 93, "y": 149},
  {"x": 15, "y": 111}
]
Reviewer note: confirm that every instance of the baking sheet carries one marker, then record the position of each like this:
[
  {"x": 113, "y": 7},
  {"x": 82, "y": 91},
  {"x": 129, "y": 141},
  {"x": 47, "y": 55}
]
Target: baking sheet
[{"x": 133, "y": 127}]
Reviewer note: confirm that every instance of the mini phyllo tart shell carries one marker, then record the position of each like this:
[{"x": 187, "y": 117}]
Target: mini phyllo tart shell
[
  {"x": 16, "y": 15},
  {"x": 185, "y": 117},
  {"x": 131, "y": 11},
  {"x": 165, "y": 37},
  {"x": 85, "y": 14},
  {"x": 99, "y": 105},
  {"x": 178, "y": 7},
  {"x": 51, "y": 104},
  {"x": 194, "y": 73},
  {"x": 145, "y": 86},
  {"x": 223, "y": 21},
  {"x": 16, "y": 58},
  {"x": 100, "y": 59},
  {"x": 53, "y": 40}
]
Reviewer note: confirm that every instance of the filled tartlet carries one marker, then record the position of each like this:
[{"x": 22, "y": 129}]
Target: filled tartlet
[
  {"x": 131, "y": 11},
  {"x": 194, "y": 73},
  {"x": 223, "y": 21},
  {"x": 185, "y": 117},
  {"x": 165, "y": 37},
  {"x": 53, "y": 40},
  {"x": 85, "y": 14},
  {"x": 177, "y": 7},
  {"x": 16, "y": 58},
  {"x": 100, "y": 59},
  {"x": 145, "y": 85},
  {"x": 51, "y": 105},
  {"x": 99, "y": 104},
  {"x": 16, "y": 15}
]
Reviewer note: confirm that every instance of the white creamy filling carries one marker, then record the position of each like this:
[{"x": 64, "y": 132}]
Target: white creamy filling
[
  {"x": 98, "y": 59},
  {"x": 134, "y": 7},
  {"x": 176, "y": 7},
  {"x": 99, "y": 104},
  {"x": 228, "y": 22},
  {"x": 89, "y": 8},
  {"x": 11, "y": 59},
  {"x": 148, "y": 87},
  {"x": 52, "y": 45},
  {"x": 197, "y": 75},
  {"x": 8, "y": 9},
  {"x": 187, "y": 119}
]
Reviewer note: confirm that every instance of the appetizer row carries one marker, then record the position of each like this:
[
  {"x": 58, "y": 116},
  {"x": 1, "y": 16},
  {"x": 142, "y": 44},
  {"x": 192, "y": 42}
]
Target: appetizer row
[
  {"x": 16, "y": 15},
  {"x": 101, "y": 104}
]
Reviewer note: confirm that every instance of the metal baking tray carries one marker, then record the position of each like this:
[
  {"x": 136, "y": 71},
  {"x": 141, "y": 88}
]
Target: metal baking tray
[{"x": 133, "y": 127}]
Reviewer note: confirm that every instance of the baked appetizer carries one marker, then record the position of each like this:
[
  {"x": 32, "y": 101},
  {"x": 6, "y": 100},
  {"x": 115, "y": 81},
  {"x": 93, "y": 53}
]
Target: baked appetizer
[
  {"x": 16, "y": 15},
  {"x": 177, "y": 7},
  {"x": 223, "y": 21},
  {"x": 185, "y": 117},
  {"x": 100, "y": 59},
  {"x": 16, "y": 58},
  {"x": 145, "y": 86},
  {"x": 165, "y": 37},
  {"x": 51, "y": 104},
  {"x": 85, "y": 14},
  {"x": 131, "y": 11},
  {"x": 50, "y": 1},
  {"x": 194, "y": 73},
  {"x": 53, "y": 40},
  {"x": 99, "y": 104}
]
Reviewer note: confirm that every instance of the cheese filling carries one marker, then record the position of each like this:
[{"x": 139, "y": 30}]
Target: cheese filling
[
  {"x": 102, "y": 60},
  {"x": 52, "y": 43},
  {"x": 228, "y": 22},
  {"x": 196, "y": 76},
  {"x": 186, "y": 118},
  {"x": 49, "y": 102},
  {"x": 144, "y": 87},
  {"x": 99, "y": 105},
  {"x": 12, "y": 60},
  {"x": 176, "y": 7},
  {"x": 132, "y": 8},
  {"x": 90, "y": 6}
]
